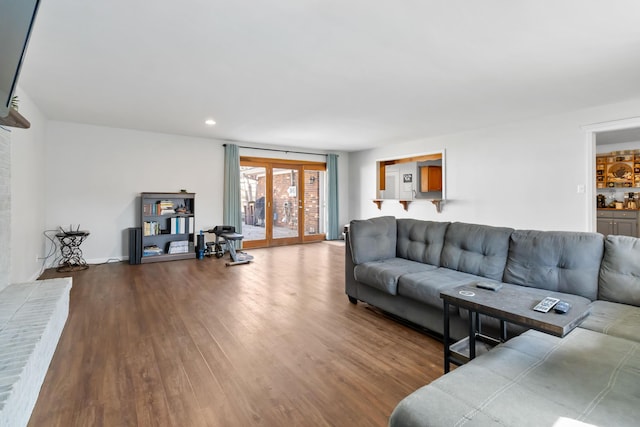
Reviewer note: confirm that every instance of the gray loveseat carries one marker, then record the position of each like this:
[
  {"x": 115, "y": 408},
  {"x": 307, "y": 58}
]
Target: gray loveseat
[{"x": 591, "y": 376}]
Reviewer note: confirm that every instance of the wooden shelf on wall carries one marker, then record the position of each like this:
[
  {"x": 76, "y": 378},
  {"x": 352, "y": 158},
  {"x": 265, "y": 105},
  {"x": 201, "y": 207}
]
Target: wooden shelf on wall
[
  {"x": 15, "y": 120},
  {"x": 405, "y": 203}
]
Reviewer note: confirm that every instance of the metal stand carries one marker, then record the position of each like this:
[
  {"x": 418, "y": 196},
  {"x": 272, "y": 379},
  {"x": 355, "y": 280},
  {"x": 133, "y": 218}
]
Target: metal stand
[{"x": 70, "y": 251}]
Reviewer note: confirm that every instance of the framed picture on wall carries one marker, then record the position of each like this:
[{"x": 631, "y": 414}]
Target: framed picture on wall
[{"x": 407, "y": 177}]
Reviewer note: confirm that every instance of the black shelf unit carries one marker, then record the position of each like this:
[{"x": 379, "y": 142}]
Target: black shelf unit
[{"x": 160, "y": 229}]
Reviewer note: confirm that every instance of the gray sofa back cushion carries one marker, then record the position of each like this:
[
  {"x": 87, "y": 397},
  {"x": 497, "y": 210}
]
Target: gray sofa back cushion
[
  {"x": 620, "y": 270},
  {"x": 421, "y": 241},
  {"x": 476, "y": 249},
  {"x": 373, "y": 239},
  {"x": 559, "y": 261}
]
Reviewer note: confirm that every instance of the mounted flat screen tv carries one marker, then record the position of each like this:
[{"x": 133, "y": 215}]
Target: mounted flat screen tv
[{"x": 16, "y": 23}]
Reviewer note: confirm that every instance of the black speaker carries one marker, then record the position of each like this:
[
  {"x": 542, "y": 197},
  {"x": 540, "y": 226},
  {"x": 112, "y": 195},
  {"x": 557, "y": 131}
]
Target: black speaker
[{"x": 135, "y": 245}]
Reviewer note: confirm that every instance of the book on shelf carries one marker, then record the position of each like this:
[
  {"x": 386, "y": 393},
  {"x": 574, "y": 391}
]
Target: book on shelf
[
  {"x": 152, "y": 250},
  {"x": 179, "y": 247},
  {"x": 178, "y": 225},
  {"x": 154, "y": 209},
  {"x": 165, "y": 207},
  {"x": 150, "y": 228}
]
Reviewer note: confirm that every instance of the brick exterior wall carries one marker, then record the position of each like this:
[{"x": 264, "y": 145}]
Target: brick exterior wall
[
  {"x": 286, "y": 205},
  {"x": 311, "y": 202}
]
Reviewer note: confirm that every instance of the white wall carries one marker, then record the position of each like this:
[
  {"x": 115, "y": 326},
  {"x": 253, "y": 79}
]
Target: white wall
[
  {"x": 5, "y": 207},
  {"x": 521, "y": 175},
  {"x": 95, "y": 175},
  {"x": 28, "y": 207}
]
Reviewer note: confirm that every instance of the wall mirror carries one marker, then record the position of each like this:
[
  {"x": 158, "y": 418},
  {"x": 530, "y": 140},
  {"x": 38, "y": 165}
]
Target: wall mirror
[{"x": 414, "y": 177}]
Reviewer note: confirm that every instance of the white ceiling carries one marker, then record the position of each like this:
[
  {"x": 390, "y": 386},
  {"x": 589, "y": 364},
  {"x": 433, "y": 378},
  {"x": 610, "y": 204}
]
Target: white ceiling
[{"x": 328, "y": 74}]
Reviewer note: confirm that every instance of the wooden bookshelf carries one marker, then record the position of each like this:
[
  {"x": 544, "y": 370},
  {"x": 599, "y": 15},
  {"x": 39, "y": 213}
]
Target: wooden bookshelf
[{"x": 168, "y": 226}]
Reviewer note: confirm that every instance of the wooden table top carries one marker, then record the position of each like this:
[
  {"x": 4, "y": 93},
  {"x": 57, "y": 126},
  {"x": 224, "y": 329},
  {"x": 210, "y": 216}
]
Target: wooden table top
[{"x": 514, "y": 304}]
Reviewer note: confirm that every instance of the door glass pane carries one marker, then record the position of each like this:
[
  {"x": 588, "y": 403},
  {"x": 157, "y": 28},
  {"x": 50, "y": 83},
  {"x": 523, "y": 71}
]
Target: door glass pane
[
  {"x": 314, "y": 204},
  {"x": 253, "y": 184},
  {"x": 285, "y": 203}
]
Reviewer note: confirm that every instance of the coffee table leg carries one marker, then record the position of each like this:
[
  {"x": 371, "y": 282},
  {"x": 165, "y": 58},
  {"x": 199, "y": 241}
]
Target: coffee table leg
[
  {"x": 447, "y": 351},
  {"x": 503, "y": 331},
  {"x": 472, "y": 335}
]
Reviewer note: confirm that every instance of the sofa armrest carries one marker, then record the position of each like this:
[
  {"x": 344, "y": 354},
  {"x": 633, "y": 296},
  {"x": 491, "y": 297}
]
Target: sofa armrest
[
  {"x": 373, "y": 239},
  {"x": 350, "y": 285}
]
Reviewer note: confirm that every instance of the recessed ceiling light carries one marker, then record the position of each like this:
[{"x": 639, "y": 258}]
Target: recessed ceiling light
[{"x": 210, "y": 122}]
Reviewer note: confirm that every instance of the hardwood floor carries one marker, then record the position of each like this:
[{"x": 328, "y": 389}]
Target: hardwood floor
[{"x": 195, "y": 343}]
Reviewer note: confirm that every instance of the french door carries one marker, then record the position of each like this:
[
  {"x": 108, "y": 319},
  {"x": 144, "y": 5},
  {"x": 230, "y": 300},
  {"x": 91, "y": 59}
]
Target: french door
[{"x": 282, "y": 202}]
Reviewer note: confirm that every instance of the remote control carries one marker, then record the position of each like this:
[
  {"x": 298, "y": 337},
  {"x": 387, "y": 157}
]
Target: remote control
[
  {"x": 562, "y": 307},
  {"x": 546, "y": 304},
  {"x": 489, "y": 285}
]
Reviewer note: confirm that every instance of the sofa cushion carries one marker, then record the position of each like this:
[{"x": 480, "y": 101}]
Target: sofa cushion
[
  {"x": 535, "y": 380},
  {"x": 421, "y": 241},
  {"x": 559, "y": 261},
  {"x": 384, "y": 275},
  {"x": 426, "y": 286},
  {"x": 620, "y": 270},
  {"x": 476, "y": 249},
  {"x": 373, "y": 239},
  {"x": 611, "y": 318}
]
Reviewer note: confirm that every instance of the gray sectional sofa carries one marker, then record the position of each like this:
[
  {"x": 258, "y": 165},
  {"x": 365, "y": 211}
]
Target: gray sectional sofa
[{"x": 589, "y": 377}]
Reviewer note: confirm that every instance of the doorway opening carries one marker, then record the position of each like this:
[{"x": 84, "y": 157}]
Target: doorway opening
[
  {"x": 620, "y": 139},
  {"x": 283, "y": 202}
]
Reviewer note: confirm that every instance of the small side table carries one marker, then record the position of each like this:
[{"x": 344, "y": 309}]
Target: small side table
[
  {"x": 512, "y": 304},
  {"x": 70, "y": 251}
]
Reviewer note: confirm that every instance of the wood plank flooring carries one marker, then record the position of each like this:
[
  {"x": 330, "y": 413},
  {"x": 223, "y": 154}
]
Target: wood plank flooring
[{"x": 195, "y": 343}]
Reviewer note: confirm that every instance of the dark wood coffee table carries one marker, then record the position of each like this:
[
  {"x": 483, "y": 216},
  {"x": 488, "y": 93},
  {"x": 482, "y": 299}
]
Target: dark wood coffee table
[{"x": 512, "y": 304}]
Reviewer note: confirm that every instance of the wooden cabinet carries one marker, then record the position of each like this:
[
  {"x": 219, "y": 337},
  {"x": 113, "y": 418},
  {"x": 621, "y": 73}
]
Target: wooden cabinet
[
  {"x": 430, "y": 178},
  {"x": 618, "y": 222},
  {"x": 605, "y": 226},
  {"x": 168, "y": 223},
  {"x": 626, "y": 228},
  {"x": 618, "y": 170}
]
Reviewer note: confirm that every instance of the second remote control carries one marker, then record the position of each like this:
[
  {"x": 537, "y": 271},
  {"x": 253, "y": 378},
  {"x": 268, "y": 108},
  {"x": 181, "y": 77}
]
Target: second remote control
[
  {"x": 546, "y": 304},
  {"x": 489, "y": 285}
]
